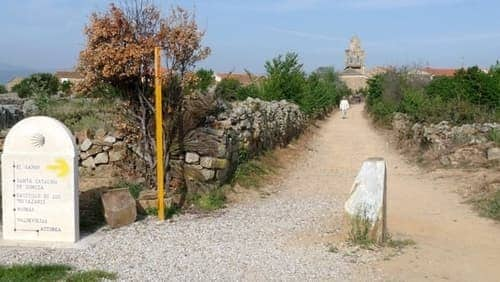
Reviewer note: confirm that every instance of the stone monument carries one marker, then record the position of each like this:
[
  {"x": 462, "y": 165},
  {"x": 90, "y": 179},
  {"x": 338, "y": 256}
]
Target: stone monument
[
  {"x": 40, "y": 182},
  {"x": 367, "y": 203},
  {"x": 354, "y": 74}
]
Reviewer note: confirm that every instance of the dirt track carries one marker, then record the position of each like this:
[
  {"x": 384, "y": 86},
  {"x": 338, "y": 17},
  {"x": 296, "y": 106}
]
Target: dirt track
[{"x": 453, "y": 243}]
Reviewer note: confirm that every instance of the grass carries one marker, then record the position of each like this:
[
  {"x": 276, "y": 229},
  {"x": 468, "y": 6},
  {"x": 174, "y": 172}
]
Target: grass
[
  {"x": 494, "y": 135},
  {"x": 213, "y": 200},
  {"x": 251, "y": 173},
  {"x": 169, "y": 212},
  {"x": 50, "y": 272},
  {"x": 134, "y": 188},
  {"x": 489, "y": 205},
  {"x": 359, "y": 234},
  {"x": 79, "y": 114}
]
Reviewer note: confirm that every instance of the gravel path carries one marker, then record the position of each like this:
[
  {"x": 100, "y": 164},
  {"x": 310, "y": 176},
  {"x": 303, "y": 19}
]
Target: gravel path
[{"x": 282, "y": 237}]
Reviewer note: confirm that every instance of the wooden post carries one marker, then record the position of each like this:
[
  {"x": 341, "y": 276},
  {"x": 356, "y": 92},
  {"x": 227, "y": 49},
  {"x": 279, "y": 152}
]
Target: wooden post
[{"x": 159, "y": 136}]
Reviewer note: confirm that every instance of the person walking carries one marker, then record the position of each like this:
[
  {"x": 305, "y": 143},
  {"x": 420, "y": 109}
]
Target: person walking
[{"x": 344, "y": 106}]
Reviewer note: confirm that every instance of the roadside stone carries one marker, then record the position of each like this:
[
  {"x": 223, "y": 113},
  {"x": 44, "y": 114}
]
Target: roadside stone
[
  {"x": 366, "y": 207},
  {"x": 101, "y": 158},
  {"x": 119, "y": 207},
  {"x": 493, "y": 154},
  {"x": 192, "y": 158},
  {"x": 85, "y": 145}
]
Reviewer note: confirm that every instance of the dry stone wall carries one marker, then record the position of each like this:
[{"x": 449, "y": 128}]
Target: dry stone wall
[
  {"x": 448, "y": 145},
  {"x": 243, "y": 128}
]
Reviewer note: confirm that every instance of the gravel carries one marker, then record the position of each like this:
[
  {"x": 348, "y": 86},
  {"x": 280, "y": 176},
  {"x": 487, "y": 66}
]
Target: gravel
[
  {"x": 245, "y": 242},
  {"x": 285, "y": 236}
]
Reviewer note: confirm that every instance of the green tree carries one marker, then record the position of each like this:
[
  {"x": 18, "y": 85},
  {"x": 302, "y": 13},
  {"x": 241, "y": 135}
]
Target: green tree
[
  {"x": 38, "y": 84},
  {"x": 3, "y": 89},
  {"x": 205, "y": 79},
  {"x": 285, "y": 78},
  {"x": 228, "y": 89},
  {"x": 65, "y": 87}
]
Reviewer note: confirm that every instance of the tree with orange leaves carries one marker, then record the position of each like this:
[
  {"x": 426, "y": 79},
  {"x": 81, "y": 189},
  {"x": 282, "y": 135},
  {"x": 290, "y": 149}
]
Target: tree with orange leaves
[{"x": 120, "y": 52}]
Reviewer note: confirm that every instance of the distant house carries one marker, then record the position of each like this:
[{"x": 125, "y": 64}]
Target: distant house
[
  {"x": 437, "y": 72},
  {"x": 13, "y": 82},
  {"x": 71, "y": 76},
  {"x": 244, "y": 78}
]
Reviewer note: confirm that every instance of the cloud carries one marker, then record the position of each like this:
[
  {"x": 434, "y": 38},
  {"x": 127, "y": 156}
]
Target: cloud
[{"x": 308, "y": 35}]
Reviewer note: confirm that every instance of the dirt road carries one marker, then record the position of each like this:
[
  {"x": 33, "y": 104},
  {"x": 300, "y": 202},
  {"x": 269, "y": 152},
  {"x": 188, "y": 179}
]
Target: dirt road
[{"x": 452, "y": 242}]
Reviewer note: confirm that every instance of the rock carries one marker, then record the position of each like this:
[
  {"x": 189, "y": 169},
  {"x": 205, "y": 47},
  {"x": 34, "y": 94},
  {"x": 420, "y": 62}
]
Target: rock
[
  {"x": 99, "y": 134},
  {"x": 109, "y": 140},
  {"x": 81, "y": 135},
  {"x": 444, "y": 160},
  {"x": 119, "y": 207},
  {"x": 198, "y": 173},
  {"x": 30, "y": 108},
  {"x": 85, "y": 145},
  {"x": 367, "y": 203},
  {"x": 116, "y": 155},
  {"x": 493, "y": 154},
  {"x": 215, "y": 163},
  {"x": 101, "y": 158},
  {"x": 192, "y": 158},
  {"x": 89, "y": 162}
]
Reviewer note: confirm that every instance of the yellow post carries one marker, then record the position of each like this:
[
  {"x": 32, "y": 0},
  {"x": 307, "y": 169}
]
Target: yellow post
[{"x": 159, "y": 135}]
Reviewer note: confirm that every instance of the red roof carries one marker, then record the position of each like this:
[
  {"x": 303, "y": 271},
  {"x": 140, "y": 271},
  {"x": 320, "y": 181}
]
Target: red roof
[{"x": 440, "y": 72}]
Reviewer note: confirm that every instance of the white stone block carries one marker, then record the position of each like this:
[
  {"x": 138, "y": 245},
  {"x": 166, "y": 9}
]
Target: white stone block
[
  {"x": 40, "y": 182},
  {"x": 368, "y": 197}
]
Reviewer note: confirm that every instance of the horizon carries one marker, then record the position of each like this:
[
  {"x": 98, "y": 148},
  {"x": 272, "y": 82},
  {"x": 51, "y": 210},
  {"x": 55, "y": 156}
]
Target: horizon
[{"x": 47, "y": 35}]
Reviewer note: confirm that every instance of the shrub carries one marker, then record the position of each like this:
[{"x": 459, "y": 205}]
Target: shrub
[
  {"x": 205, "y": 79},
  {"x": 65, "y": 87},
  {"x": 3, "y": 89},
  {"x": 38, "y": 84},
  {"x": 228, "y": 89},
  {"x": 469, "y": 96}
]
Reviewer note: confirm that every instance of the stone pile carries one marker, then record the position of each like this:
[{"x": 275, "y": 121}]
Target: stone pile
[{"x": 468, "y": 144}]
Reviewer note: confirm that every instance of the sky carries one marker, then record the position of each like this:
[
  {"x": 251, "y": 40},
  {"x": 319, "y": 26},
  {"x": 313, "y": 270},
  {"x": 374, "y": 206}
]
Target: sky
[{"x": 48, "y": 34}]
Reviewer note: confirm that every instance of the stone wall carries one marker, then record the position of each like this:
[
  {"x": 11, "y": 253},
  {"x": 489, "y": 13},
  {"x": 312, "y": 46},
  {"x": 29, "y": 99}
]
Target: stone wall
[
  {"x": 448, "y": 145},
  {"x": 243, "y": 128}
]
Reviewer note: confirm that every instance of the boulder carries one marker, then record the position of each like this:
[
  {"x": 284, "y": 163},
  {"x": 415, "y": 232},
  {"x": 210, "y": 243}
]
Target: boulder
[
  {"x": 366, "y": 207},
  {"x": 493, "y": 154},
  {"x": 119, "y": 207}
]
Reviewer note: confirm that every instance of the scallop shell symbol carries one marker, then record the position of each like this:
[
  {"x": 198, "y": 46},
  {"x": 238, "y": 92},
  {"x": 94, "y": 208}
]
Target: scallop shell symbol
[{"x": 37, "y": 140}]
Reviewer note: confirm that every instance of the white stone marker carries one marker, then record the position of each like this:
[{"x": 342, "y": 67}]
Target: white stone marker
[
  {"x": 368, "y": 198},
  {"x": 40, "y": 182}
]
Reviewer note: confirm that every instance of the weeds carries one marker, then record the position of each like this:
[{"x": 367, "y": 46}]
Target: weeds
[
  {"x": 51, "y": 272},
  {"x": 210, "y": 201},
  {"x": 489, "y": 205},
  {"x": 359, "y": 234},
  {"x": 169, "y": 212},
  {"x": 251, "y": 173},
  {"x": 494, "y": 135},
  {"x": 134, "y": 188}
]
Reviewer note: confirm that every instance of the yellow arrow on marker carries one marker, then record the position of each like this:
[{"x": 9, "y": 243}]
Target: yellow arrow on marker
[{"x": 61, "y": 167}]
